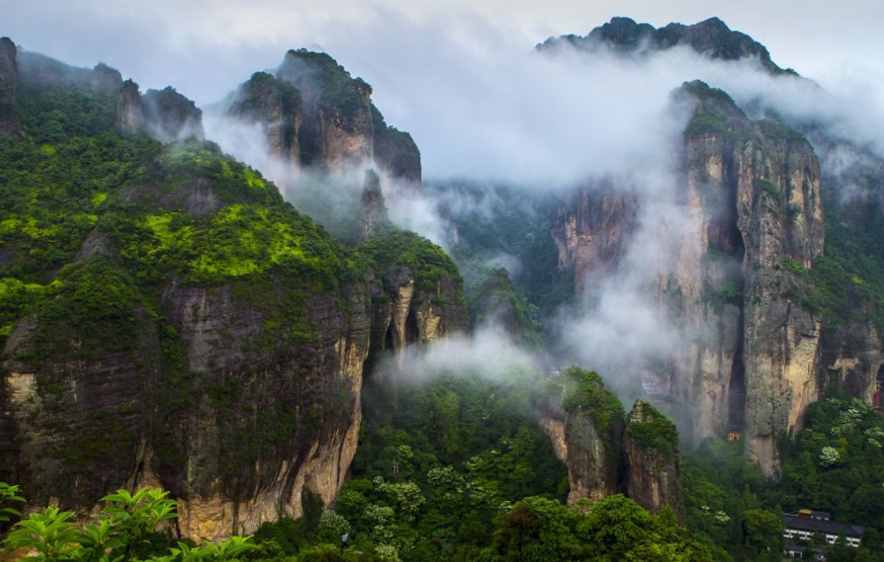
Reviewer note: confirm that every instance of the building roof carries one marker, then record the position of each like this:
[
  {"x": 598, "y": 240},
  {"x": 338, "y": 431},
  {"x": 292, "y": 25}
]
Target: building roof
[{"x": 792, "y": 521}]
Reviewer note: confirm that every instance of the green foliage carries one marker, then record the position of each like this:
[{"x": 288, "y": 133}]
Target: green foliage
[
  {"x": 428, "y": 262},
  {"x": 771, "y": 189},
  {"x": 9, "y": 496},
  {"x": 48, "y": 532},
  {"x": 497, "y": 299},
  {"x": 653, "y": 431},
  {"x": 834, "y": 464},
  {"x": 612, "y": 529},
  {"x": 585, "y": 391},
  {"x": 846, "y": 284},
  {"x": 439, "y": 461},
  {"x": 338, "y": 90}
]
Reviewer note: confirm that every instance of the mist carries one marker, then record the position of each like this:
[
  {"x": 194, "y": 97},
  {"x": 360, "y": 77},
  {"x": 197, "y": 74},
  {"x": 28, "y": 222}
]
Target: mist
[{"x": 486, "y": 113}]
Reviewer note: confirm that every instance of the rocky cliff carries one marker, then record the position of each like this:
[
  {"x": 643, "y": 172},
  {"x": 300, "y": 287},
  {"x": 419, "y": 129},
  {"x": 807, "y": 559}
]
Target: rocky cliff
[
  {"x": 8, "y": 80},
  {"x": 752, "y": 195},
  {"x": 189, "y": 328},
  {"x": 170, "y": 116},
  {"x": 608, "y": 453},
  {"x": 650, "y": 446},
  {"x": 314, "y": 113}
]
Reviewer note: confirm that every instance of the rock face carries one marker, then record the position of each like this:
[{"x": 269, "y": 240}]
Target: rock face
[
  {"x": 373, "y": 212},
  {"x": 592, "y": 232},
  {"x": 165, "y": 114},
  {"x": 606, "y": 454},
  {"x": 130, "y": 109},
  {"x": 711, "y": 37},
  {"x": 277, "y": 106},
  {"x": 751, "y": 190},
  {"x": 586, "y": 433},
  {"x": 8, "y": 81},
  {"x": 204, "y": 403},
  {"x": 169, "y": 116},
  {"x": 650, "y": 446},
  {"x": 314, "y": 113}
]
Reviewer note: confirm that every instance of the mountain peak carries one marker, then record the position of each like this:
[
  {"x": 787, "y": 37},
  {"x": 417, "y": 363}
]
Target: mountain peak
[{"x": 711, "y": 37}]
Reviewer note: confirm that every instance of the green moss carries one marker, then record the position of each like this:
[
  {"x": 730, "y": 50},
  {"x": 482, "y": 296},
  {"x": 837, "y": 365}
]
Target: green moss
[
  {"x": 428, "y": 262},
  {"x": 769, "y": 188},
  {"x": 655, "y": 431},
  {"x": 585, "y": 391},
  {"x": 339, "y": 91},
  {"x": 91, "y": 311}
]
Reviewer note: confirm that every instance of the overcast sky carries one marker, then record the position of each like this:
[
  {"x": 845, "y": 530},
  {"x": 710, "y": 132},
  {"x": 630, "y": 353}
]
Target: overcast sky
[{"x": 203, "y": 47}]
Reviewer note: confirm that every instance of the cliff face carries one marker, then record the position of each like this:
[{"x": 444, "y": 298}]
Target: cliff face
[
  {"x": 650, "y": 446},
  {"x": 606, "y": 453},
  {"x": 592, "y": 232},
  {"x": 314, "y": 113},
  {"x": 277, "y": 106},
  {"x": 8, "y": 79},
  {"x": 751, "y": 191},
  {"x": 169, "y": 116}
]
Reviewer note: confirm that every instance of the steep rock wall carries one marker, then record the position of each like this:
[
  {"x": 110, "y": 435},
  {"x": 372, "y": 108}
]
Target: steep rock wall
[{"x": 750, "y": 192}]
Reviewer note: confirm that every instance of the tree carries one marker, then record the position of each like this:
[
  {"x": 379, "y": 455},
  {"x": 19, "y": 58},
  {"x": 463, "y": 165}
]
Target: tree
[{"x": 48, "y": 532}]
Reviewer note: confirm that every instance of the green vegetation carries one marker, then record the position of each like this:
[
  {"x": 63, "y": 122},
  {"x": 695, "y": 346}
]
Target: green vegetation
[
  {"x": 612, "y": 529},
  {"x": 128, "y": 527},
  {"x": 771, "y": 189},
  {"x": 338, "y": 90},
  {"x": 497, "y": 299},
  {"x": 834, "y": 464},
  {"x": 585, "y": 391},
  {"x": 397, "y": 248},
  {"x": 846, "y": 284},
  {"x": 652, "y": 430}
]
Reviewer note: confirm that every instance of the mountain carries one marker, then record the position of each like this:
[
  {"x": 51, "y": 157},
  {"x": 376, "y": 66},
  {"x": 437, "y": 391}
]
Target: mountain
[
  {"x": 167, "y": 319},
  {"x": 711, "y": 37},
  {"x": 757, "y": 278},
  {"x": 314, "y": 112}
]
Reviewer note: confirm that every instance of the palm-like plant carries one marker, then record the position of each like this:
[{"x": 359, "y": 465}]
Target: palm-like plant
[
  {"x": 129, "y": 520},
  {"x": 223, "y": 551},
  {"x": 9, "y": 494},
  {"x": 49, "y": 532}
]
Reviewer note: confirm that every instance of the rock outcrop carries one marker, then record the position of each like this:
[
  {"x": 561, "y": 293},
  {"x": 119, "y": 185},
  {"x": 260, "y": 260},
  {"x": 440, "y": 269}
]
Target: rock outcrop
[
  {"x": 372, "y": 210},
  {"x": 277, "y": 106},
  {"x": 130, "y": 109},
  {"x": 314, "y": 113},
  {"x": 772, "y": 176},
  {"x": 650, "y": 447},
  {"x": 170, "y": 116},
  {"x": 586, "y": 432},
  {"x": 592, "y": 232},
  {"x": 8, "y": 82},
  {"x": 606, "y": 453}
]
